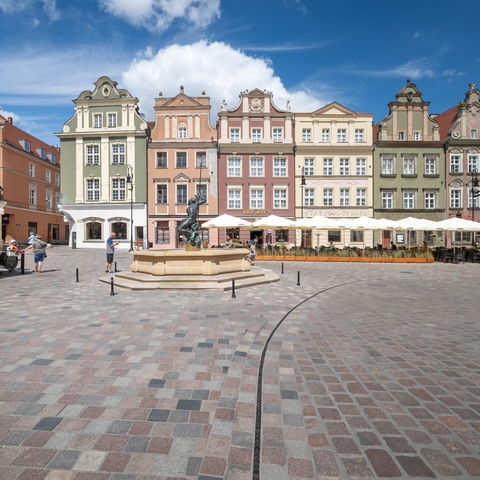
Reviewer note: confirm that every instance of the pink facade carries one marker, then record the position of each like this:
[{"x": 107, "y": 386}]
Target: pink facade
[{"x": 256, "y": 169}]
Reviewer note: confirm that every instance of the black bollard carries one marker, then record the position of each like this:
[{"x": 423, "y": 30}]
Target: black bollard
[
  {"x": 76, "y": 275},
  {"x": 298, "y": 279},
  {"x": 282, "y": 268},
  {"x": 112, "y": 291},
  {"x": 116, "y": 267},
  {"x": 22, "y": 263},
  {"x": 233, "y": 289}
]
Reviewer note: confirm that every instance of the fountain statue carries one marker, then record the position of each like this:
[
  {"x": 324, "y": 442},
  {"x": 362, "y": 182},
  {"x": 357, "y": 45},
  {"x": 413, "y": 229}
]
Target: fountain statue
[{"x": 190, "y": 228}]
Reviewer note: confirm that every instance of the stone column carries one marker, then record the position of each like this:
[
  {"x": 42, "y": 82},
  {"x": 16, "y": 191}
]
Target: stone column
[
  {"x": 197, "y": 126},
  {"x": 167, "y": 126},
  {"x": 267, "y": 133},
  {"x": 190, "y": 127}
]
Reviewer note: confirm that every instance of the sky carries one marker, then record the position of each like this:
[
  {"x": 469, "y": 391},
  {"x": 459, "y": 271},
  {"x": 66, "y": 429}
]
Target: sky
[{"x": 310, "y": 52}]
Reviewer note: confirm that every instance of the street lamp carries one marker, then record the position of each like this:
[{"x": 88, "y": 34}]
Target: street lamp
[
  {"x": 130, "y": 187},
  {"x": 2, "y": 206},
  {"x": 302, "y": 184},
  {"x": 474, "y": 192}
]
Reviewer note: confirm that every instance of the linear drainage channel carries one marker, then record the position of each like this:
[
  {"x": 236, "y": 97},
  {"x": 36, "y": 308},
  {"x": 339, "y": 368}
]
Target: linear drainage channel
[{"x": 258, "y": 414}]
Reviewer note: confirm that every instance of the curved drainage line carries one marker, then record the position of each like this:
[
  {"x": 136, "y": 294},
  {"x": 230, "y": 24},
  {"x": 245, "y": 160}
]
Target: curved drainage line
[{"x": 258, "y": 419}]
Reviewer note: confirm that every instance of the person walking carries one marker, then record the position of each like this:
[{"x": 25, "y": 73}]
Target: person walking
[
  {"x": 39, "y": 252},
  {"x": 110, "y": 251},
  {"x": 252, "y": 255}
]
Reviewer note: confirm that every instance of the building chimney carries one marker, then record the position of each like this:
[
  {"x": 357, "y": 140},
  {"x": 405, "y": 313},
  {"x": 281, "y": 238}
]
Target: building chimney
[{"x": 10, "y": 120}]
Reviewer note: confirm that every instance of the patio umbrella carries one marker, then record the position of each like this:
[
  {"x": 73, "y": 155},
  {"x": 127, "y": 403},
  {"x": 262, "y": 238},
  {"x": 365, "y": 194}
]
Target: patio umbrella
[
  {"x": 323, "y": 223},
  {"x": 273, "y": 221},
  {"x": 455, "y": 223},
  {"x": 411, "y": 223},
  {"x": 226, "y": 221}
]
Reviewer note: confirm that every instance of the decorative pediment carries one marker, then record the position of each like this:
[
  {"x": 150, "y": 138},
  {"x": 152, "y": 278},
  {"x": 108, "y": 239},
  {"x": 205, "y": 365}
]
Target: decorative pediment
[
  {"x": 409, "y": 93},
  {"x": 118, "y": 219},
  {"x": 105, "y": 89},
  {"x": 183, "y": 101},
  {"x": 181, "y": 178},
  {"x": 334, "y": 108},
  {"x": 91, "y": 219},
  {"x": 456, "y": 183}
]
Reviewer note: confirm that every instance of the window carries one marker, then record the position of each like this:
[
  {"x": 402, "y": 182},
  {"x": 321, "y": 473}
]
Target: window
[
  {"x": 359, "y": 135},
  {"x": 181, "y": 194},
  {"x": 455, "y": 198},
  {"x": 97, "y": 120},
  {"x": 361, "y": 197},
  {"x": 52, "y": 157},
  {"x": 235, "y": 135},
  {"x": 328, "y": 166},
  {"x": 472, "y": 201},
  {"x": 417, "y": 136},
  {"x": 277, "y": 135},
  {"x": 42, "y": 153},
  {"x": 118, "y": 153},
  {"x": 32, "y": 196},
  {"x": 408, "y": 200},
  {"x": 234, "y": 167},
  {"x": 48, "y": 176},
  {"x": 408, "y": 165},
  {"x": 93, "y": 189},
  {"x": 48, "y": 199},
  {"x": 361, "y": 166},
  {"x": 57, "y": 179},
  {"x": 334, "y": 235},
  {"x": 201, "y": 190},
  {"x": 356, "y": 236},
  {"x": 401, "y": 135},
  {"x": 306, "y": 134},
  {"x": 93, "y": 154},
  {"x": 27, "y": 146},
  {"x": 256, "y": 198},
  {"x": 387, "y": 166},
  {"x": 181, "y": 160},
  {"x": 280, "y": 198},
  {"x": 234, "y": 198},
  {"x": 341, "y": 135},
  {"x": 201, "y": 159},
  {"x": 118, "y": 189},
  {"x": 309, "y": 197},
  {"x": 387, "y": 200},
  {"x": 325, "y": 135},
  {"x": 472, "y": 163},
  {"x": 31, "y": 170},
  {"x": 161, "y": 159},
  {"x": 463, "y": 237},
  {"x": 344, "y": 166},
  {"x": 430, "y": 200},
  {"x": 256, "y": 166},
  {"x": 474, "y": 133},
  {"x": 93, "y": 231},
  {"x": 328, "y": 197},
  {"x": 281, "y": 235},
  {"x": 162, "y": 232},
  {"x": 162, "y": 198},
  {"x": 455, "y": 164},
  {"x": 120, "y": 229},
  {"x": 309, "y": 167},
  {"x": 344, "y": 197},
  {"x": 182, "y": 132},
  {"x": 279, "y": 167},
  {"x": 256, "y": 135},
  {"x": 430, "y": 166},
  {"x": 112, "y": 120}
]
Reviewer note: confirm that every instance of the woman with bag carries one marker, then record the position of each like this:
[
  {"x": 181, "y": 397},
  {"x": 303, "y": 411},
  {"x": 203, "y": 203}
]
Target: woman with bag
[{"x": 39, "y": 252}]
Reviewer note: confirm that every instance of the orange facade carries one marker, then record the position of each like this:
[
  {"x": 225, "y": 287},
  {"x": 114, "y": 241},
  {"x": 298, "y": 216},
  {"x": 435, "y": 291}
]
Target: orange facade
[
  {"x": 182, "y": 161},
  {"x": 30, "y": 177}
]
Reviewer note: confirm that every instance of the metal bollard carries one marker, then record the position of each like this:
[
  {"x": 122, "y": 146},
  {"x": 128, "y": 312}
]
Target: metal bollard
[
  {"x": 233, "y": 289},
  {"x": 116, "y": 267},
  {"x": 76, "y": 275},
  {"x": 112, "y": 291},
  {"x": 282, "y": 269},
  {"x": 22, "y": 263},
  {"x": 298, "y": 279}
]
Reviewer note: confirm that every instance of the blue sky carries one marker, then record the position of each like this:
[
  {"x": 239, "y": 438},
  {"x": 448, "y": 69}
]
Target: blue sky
[{"x": 310, "y": 52}]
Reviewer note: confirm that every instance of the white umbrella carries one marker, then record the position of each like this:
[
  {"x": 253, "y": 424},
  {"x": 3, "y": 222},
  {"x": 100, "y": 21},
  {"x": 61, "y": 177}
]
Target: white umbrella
[
  {"x": 456, "y": 223},
  {"x": 411, "y": 223},
  {"x": 274, "y": 221},
  {"x": 304, "y": 222},
  {"x": 323, "y": 223},
  {"x": 386, "y": 224},
  {"x": 360, "y": 223},
  {"x": 226, "y": 221}
]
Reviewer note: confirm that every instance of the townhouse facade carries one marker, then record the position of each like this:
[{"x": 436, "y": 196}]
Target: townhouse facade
[
  {"x": 460, "y": 130},
  {"x": 256, "y": 165},
  {"x": 333, "y": 173},
  {"x": 30, "y": 181},
  {"x": 182, "y": 162},
  {"x": 409, "y": 166},
  {"x": 104, "y": 176}
]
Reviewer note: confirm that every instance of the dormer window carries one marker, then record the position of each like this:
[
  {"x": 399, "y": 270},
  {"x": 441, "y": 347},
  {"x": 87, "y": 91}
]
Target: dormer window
[
  {"x": 52, "y": 157},
  {"x": 26, "y": 145},
  {"x": 42, "y": 153}
]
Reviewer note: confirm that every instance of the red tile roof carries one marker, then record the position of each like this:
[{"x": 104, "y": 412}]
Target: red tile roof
[{"x": 445, "y": 121}]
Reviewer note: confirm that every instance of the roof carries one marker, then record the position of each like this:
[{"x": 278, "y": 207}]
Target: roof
[{"x": 445, "y": 121}]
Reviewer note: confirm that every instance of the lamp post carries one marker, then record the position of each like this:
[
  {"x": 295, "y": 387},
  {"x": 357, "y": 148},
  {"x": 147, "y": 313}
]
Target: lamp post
[
  {"x": 2, "y": 206},
  {"x": 130, "y": 187},
  {"x": 474, "y": 192},
  {"x": 302, "y": 184}
]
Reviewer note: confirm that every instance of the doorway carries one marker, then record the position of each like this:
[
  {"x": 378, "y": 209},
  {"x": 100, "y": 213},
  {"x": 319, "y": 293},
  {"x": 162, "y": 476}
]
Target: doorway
[{"x": 257, "y": 235}]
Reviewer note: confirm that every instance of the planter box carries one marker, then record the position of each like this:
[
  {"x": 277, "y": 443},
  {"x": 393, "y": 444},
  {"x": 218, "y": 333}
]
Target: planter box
[{"x": 344, "y": 259}]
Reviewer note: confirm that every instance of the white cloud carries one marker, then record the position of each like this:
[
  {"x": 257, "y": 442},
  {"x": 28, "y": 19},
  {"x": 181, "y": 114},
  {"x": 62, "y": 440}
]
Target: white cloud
[
  {"x": 5, "y": 113},
  {"x": 15, "y": 6},
  {"x": 413, "y": 69},
  {"x": 158, "y": 15},
  {"x": 215, "y": 67}
]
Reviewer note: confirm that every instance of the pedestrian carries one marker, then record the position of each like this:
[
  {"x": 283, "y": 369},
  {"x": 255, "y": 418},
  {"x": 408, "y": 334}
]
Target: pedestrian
[
  {"x": 12, "y": 249},
  {"x": 110, "y": 251},
  {"x": 252, "y": 254},
  {"x": 39, "y": 248}
]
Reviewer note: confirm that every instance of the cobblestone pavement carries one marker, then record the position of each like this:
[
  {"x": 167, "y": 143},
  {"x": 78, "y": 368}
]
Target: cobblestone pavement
[{"x": 377, "y": 378}]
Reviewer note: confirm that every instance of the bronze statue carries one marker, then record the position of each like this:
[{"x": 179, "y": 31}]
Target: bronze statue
[{"x": 190, "y": 227}]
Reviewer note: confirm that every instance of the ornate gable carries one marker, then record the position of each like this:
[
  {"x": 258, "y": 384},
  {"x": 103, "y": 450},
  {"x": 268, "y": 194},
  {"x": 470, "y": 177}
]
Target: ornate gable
[
  {"x": 334, "y": 108},
  {"x": 409, "y": 93}
]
